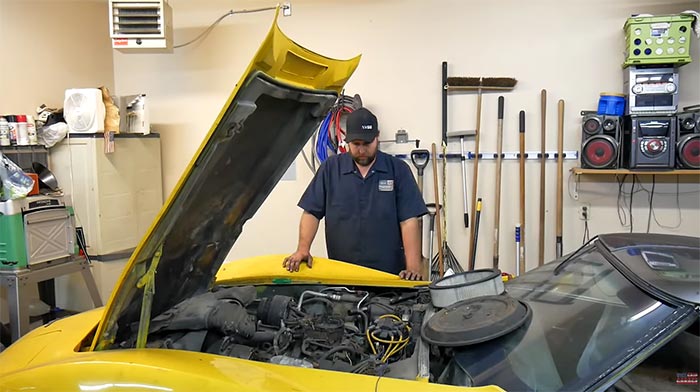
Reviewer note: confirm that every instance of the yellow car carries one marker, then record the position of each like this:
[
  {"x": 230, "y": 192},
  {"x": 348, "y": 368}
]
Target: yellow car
[{"x": 181, "y": 320}]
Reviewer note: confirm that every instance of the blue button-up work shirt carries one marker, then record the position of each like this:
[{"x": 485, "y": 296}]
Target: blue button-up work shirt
[{"x": 363, "y": 214}]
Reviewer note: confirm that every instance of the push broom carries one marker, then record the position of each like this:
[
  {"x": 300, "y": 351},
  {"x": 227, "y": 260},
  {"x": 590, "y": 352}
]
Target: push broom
[{"x": 480, "y": 85}]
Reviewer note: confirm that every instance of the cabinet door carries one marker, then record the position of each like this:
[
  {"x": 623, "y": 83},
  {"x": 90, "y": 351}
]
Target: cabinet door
[
  {"x": 72, "y": 162},
  {"x": 129, "y": 191}
]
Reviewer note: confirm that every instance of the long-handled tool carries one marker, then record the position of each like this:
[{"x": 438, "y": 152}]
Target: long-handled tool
[
  {"x": 479, "y": 85},
  {"x": 450, "y": 261},
  {"x": 521, "y": 230},
  {"x": 543, "y": 159},
  {"x": 560, "y": 179},
  {"x": 420, "y": 160},
  {"x": 441, "y": 266},
  {"x": 499, "y": 165},
  {"x": 432, "y": 211},
  {"x": 463, "y": 158},
  {"x": 477, "y": 219},
  {"x": 518, "y": 256}
]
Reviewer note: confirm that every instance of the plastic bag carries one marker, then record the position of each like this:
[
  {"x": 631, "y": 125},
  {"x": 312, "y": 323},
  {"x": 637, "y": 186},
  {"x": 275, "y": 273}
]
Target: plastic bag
[
  {"x": 15, "y": 184},
  {"x": 52, "y": 134}
]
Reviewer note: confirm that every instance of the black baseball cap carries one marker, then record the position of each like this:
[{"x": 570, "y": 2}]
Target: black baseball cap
[{"x": 361, "y": 125}]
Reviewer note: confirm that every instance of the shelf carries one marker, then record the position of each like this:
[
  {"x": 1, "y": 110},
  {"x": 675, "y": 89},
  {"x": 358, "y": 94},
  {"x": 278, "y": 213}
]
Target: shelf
[{"x": 680, "y": 172}]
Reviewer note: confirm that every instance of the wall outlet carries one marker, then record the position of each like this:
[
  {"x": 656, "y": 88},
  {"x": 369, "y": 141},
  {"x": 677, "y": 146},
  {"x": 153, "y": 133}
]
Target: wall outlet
[
  {"x": 287, "y": 9},
  {"x": 584, "y": 211}
]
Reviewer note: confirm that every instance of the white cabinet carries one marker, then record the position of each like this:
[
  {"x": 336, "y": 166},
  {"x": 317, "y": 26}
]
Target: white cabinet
[{"x": 117, "y": 195}]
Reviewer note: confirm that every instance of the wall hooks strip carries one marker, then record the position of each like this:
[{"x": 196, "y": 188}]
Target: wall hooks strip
[{"x": 529, "y": 155}]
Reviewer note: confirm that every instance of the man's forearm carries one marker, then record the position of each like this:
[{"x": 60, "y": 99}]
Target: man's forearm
[
  {"x": 308, "y": 226},
  {"x": 410, "y": 234}
]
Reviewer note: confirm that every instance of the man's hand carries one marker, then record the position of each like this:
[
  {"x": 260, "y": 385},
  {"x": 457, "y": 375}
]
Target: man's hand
[
  {"x": 410, "y": 275},
  {"x": 292, "y": 262}
]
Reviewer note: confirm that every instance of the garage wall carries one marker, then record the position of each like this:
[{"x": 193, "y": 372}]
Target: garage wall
[
  {"x": 573, "y": 49},
  {"x": 48, "y": 46}
]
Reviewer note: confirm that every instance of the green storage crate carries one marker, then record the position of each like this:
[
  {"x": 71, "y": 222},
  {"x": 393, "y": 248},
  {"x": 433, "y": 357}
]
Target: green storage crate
[
  {"x": 35, "y": 230},
  {"x": 13, "y": 252},
  {"x": 658, "y": 40}
]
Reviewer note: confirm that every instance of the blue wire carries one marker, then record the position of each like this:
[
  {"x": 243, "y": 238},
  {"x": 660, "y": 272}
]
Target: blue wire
[{"x": 323, "y": 142}]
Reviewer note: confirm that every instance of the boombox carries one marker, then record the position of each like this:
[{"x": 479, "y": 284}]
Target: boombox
[
  {"x": 688, "y": 141},
  {"x": 600, "y": 141},
  {"x": 651, "y": 89},
  {"x": 649, "y": 142}
]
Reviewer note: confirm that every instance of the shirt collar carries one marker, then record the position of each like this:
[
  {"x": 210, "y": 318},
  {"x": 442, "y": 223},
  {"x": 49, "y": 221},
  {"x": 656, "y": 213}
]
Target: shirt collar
[{"x": 347, "y": 165}]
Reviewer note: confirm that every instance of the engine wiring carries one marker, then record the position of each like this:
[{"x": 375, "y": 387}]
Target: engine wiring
[{"x": 396, "y": 335}]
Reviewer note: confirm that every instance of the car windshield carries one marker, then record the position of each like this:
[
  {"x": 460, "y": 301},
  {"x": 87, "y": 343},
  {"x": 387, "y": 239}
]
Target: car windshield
[{"x": 586, "y": 321}]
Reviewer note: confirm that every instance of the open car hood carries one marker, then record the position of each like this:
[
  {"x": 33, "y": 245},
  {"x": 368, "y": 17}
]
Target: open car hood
[{"x": 273, "y": 110}]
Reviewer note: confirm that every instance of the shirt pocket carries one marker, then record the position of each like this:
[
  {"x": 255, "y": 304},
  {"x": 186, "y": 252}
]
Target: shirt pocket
[{"x": 341, "y": 205}]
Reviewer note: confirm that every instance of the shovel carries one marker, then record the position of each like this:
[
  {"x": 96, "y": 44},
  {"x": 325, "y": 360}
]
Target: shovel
[{"x": 420, "y": 159}]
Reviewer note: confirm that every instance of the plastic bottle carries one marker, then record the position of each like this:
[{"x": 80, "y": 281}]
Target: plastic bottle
[
  {"x": 22, "y": 133},
  {"x": 12, "y": 122},
  {"x": 4, "y": 132},
  {"x": 31, "y": 131}
]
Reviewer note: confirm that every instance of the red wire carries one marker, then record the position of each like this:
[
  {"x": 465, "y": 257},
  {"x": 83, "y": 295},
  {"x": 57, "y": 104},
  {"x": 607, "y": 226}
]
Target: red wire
[{"x": 335, "y": 123}]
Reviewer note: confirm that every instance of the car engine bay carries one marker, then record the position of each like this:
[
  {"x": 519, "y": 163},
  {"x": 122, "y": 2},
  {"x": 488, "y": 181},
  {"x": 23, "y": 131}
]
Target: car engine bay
[{"x": 374, "y": 331}]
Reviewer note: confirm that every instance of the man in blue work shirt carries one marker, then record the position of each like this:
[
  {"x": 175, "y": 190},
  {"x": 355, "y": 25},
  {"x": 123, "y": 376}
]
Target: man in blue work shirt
[{"x": 371, "y": 203}]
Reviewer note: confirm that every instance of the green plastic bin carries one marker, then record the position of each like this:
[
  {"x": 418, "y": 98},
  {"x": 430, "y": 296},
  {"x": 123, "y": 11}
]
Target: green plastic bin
[{"x": 658, "y": 40}]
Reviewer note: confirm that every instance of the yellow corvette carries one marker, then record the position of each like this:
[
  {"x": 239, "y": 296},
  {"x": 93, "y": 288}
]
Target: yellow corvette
[{"x": 181, "y": 320}]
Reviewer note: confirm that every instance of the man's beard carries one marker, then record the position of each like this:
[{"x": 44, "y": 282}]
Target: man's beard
[{"x": 364, "y": 161}]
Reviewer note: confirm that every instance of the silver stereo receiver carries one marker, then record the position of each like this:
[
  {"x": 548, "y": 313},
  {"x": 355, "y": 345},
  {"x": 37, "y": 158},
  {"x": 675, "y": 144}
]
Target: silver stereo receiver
[{"x": 651, "y": 90}]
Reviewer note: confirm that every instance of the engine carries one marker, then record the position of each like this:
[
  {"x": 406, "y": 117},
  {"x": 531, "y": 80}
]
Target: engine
[{"x": 346, "y": 329}]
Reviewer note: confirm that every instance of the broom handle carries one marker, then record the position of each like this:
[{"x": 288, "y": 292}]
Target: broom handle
[
  {"x": 560, "y": 178},
  {"x": 472, "y": 230},
  {"x": 543, "y": 159},
  {"x": 521, "y": 244},
  {"x": 472, "y": 262},
  {"x": 441, "y": 266},
  {"x": 499, "y": 161}
]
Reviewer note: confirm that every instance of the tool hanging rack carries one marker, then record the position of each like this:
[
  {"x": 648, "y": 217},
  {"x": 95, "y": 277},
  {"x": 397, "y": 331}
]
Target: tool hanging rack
[{"x": 506, "y": 155}]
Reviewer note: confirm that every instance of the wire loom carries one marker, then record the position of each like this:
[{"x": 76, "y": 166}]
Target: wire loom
[
  {"x": 331, "y": 135},
  {"x": 390, "y": 334}
]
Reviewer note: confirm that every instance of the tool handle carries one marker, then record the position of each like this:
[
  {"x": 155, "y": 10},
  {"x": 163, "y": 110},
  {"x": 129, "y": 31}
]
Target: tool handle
[
  {"x": 475, "y": 177},
  {"x": 441, "y": 265},
  {"x": 475, "y": 239},
  {"x": 560, "y": 178},
  {"x": 543, "y": 141},
  {"x": 466, "y": 220},
  {"x": 500, "y": 107},
  {"x": 521, "y": 227},
  {"x": 444, "y": 102}
]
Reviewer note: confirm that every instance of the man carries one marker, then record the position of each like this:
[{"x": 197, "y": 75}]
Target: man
[{"x": 371, "y": 204}]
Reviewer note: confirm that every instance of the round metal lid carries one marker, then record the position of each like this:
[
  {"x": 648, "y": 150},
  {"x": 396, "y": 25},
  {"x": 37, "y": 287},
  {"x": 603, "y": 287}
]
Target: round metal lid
[{"x": 475, "y": 320}]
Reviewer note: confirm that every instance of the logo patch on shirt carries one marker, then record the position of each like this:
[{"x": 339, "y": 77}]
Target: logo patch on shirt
[{"x": 386, "y": 185}]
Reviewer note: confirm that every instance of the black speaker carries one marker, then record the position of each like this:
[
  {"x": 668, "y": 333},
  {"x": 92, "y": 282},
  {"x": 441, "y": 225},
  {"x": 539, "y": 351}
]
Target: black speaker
[
  {"x": 649, "y": 142},
  {"x": 600, "y": 141},
  {"x": 688, "y": 141}
]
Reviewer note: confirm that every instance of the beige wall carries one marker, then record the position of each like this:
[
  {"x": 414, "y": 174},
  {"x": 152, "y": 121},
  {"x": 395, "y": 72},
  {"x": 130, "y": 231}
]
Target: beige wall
[
  {"x": 573, "y": 49},
  {"x": 48, "y": 46}
]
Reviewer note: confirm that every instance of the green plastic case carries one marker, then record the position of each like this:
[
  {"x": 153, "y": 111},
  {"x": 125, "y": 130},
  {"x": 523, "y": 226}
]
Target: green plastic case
[{"x": 658, "y": 40}]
